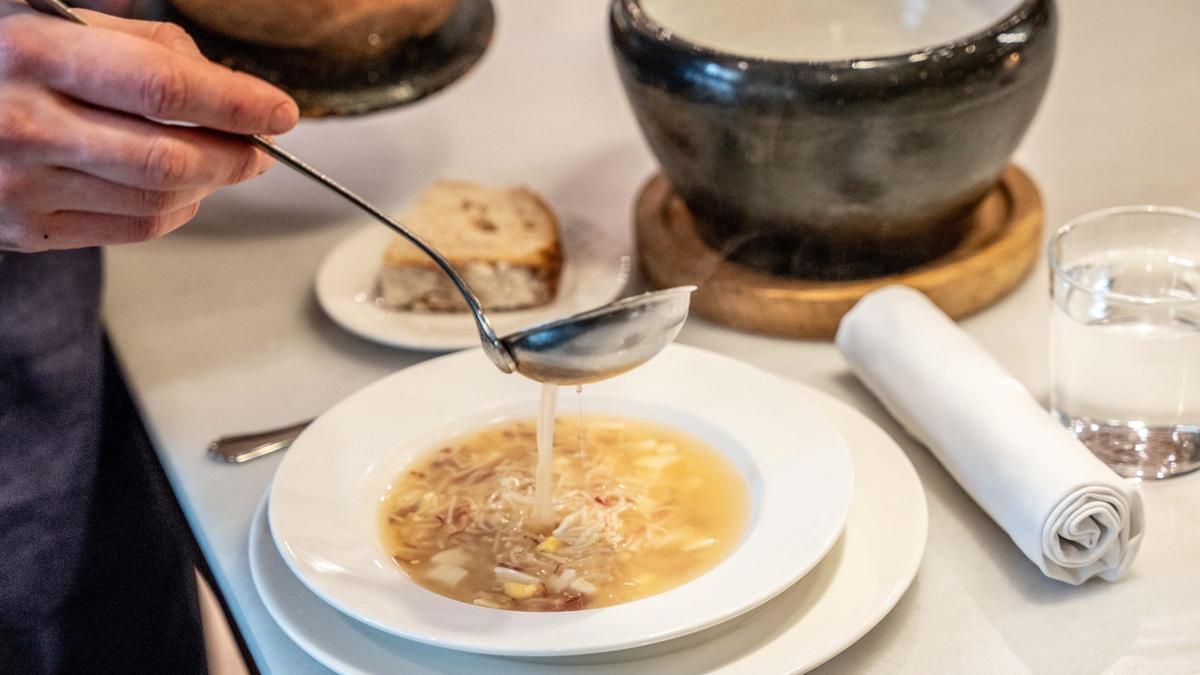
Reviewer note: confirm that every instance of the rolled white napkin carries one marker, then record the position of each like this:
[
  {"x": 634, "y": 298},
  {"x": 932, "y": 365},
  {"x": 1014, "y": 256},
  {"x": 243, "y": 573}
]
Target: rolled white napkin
[{"x": 1066, "y": 511}]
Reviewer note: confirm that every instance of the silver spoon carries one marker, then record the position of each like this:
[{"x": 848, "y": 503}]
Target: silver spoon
[{"x": 586, "y": 347}]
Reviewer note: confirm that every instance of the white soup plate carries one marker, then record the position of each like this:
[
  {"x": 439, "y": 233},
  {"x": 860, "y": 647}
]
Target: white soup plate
[{"x": 325, "y": 498}]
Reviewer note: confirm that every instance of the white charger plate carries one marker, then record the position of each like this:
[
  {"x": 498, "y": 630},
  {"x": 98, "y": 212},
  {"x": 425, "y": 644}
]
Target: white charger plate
[
  {"x": 325, "y": 496},
  {"x": 835, "y": 604},
  {"x": 596, "y": 265}
]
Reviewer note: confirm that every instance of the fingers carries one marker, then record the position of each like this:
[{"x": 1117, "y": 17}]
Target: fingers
[
  {"x": 79, "y": 164},
  {"x": 77, "y": 229},
  {"x": 29, "y": 193},
  {"x": 151, "y": 156},
  {"x": 115, "y": 69},
  {"x": 113, "y": 7},
  {"x": 168, "y": 35},
  {"x": 74, "y": 229}
]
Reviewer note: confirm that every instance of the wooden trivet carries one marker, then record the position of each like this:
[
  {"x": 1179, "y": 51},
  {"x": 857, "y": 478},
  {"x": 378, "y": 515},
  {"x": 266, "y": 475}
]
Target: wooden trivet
[{"x": 999, "y": 249}]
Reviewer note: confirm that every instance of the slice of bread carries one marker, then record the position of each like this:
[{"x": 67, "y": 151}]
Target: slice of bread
[{"x": 503, "y": 241}]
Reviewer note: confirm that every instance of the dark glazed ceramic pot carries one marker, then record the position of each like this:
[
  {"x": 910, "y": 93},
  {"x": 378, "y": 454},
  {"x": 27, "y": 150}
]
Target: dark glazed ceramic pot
[{"x": 835, "y": 169}]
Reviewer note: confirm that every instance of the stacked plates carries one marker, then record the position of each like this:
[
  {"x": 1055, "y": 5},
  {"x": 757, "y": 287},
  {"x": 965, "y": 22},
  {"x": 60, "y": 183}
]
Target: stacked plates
[{"x": 828, "y": 550}]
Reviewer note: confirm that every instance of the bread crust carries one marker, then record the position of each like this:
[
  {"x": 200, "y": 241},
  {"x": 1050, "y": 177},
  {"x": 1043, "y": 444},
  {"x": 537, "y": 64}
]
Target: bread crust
[
  {"x": 549, "y": 257},
  {"x": 502, "y": 279}
]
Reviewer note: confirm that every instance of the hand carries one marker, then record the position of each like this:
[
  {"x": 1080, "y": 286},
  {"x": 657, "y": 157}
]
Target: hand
[{"x": 79, "y": 163}]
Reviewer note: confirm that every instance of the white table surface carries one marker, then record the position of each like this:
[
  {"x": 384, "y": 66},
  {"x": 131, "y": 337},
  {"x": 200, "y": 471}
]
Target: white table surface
[{"x": 218, "y": 331}]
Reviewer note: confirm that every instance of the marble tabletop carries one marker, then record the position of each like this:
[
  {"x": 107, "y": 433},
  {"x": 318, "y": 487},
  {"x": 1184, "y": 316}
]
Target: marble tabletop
[{"x": 217, "y": 329}]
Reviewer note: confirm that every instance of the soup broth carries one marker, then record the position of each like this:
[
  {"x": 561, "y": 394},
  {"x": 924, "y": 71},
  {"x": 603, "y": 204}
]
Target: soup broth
[{"x": 638, "y": 509}]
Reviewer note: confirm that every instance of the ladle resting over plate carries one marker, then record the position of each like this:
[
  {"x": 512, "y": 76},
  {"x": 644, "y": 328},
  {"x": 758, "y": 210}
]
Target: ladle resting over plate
[
  {"x": 582, "y": 348},
  {"x": 586, "y": 347}
]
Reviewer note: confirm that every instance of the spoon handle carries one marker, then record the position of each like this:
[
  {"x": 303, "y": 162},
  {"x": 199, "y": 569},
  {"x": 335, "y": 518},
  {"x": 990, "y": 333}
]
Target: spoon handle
[{"x": 245, "y": 447}]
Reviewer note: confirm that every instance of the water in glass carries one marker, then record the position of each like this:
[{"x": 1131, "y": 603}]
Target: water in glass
[{"x": 1126, "y": 350}]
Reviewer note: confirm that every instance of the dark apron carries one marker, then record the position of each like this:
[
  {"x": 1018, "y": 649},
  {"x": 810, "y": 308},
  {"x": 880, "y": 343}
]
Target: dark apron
[{"x": 93, "y": 577}]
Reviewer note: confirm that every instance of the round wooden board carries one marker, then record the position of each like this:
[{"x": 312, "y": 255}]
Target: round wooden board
[{"x": 999, "y": 249}]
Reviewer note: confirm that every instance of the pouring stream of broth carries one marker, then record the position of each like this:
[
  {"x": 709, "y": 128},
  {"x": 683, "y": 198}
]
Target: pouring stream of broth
[{"x": 543, "y": 500}]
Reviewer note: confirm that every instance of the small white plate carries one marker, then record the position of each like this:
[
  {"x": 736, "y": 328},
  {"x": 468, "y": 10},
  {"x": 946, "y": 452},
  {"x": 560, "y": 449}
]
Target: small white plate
[
  {"x": 835, "y": 604},
  {"x": 596, "y": 264},
  {"x": 325, "y": 497}
]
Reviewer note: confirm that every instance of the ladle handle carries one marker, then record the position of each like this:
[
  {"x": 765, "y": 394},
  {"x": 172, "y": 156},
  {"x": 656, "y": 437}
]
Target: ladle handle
[
  {"x": 492, "y": 344},
  {"x": 57, "y": 8}
]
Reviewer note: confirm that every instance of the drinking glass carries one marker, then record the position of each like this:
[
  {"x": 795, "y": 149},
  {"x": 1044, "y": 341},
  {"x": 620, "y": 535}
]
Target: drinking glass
[{"x": 1125, "y": 337}]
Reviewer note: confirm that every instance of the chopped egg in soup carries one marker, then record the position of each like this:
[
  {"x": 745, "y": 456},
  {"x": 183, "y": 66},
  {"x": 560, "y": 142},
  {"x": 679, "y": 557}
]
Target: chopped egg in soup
[{"x": 638, "y": 509}]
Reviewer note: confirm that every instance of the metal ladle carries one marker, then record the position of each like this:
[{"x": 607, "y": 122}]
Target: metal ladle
[
  {"x": 586, "y": 347},
  {"x": 582, "y": 348}
]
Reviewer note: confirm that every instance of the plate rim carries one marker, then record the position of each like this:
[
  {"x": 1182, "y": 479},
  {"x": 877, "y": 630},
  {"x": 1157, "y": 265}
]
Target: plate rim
[
  {"x": 836, "y": 456},
  {"x": 906, "y": 568}
]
